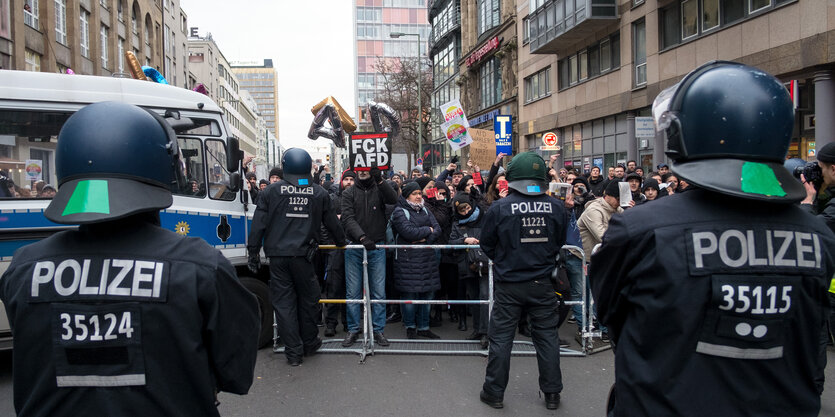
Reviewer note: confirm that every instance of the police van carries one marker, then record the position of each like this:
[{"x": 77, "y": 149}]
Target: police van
[{"x": 34, "y": 106}]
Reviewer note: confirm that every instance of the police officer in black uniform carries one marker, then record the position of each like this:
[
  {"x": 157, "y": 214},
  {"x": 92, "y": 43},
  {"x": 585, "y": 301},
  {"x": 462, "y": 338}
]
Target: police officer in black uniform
[
  {"x": 522, "y": 234},
  {"x": 716, "y": 309},
  {"x": 122, "y": 317},
  {"x": 287, "y": 220}
]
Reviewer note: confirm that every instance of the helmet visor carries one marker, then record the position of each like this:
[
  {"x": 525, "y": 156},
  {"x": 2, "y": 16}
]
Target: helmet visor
[{"x": 661, "y": 107}]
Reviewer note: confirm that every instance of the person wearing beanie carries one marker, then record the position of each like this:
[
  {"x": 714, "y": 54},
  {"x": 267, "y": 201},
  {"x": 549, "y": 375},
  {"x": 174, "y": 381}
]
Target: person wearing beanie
[
  {"x": 650, "y": 189},
  {"x": 634, "y": 181},
  {"x": 595, "y": 218},
  {"x": 581, "y": 196},
  {"x": 276, "y": 174},
  {"x": 415, "y": 271},
  {"x": 423, "y": 182},
  {"x": 466, "y": 230},
  {"x": 441, "y": 208}
]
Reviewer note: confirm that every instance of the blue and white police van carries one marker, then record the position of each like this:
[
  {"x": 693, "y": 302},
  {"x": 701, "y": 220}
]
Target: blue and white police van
[{"x": 34, "y": 106}]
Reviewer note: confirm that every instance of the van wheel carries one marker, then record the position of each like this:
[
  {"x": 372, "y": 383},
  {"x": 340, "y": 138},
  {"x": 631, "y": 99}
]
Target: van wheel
[{"x": 262, "y": 292}]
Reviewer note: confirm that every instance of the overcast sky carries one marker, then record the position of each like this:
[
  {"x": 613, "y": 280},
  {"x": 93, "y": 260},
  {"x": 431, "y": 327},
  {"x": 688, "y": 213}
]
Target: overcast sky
[{"x": 309, "y": 41}]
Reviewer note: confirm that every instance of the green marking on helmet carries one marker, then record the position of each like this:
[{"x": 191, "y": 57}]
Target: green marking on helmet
[
  {"x": 758, "y": 178},
  {"x": 89, "y": 196}
]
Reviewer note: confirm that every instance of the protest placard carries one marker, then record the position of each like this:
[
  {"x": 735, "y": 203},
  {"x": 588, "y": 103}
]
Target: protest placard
[
  {"x": 456, "y": 132},
  {"x": 483, "y": 148},
  {"x": 368, "y": 150}
]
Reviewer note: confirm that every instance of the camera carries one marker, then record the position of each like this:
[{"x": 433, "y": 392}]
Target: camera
[
  {"x": 454, "y": 160},
  {"x": 812, "y": 172}
]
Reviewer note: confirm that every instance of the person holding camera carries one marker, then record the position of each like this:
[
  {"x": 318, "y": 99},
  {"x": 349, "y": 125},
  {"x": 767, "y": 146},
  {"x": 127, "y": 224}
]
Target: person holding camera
[{"x": 819, "y": 180}]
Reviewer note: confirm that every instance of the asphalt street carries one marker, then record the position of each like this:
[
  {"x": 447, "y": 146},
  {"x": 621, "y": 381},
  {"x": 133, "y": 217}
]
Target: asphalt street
[{"x": 412, "y": 385}]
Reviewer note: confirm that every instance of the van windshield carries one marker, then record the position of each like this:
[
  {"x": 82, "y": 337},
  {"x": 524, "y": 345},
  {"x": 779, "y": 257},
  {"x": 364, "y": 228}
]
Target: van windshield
[{"x": 28, "y": 140}]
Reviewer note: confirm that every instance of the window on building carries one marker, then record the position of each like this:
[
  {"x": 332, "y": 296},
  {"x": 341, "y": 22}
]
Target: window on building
[
  {"x": 597, "y": 59},
  {"x": 104, "y": 43},
  {"x": 538, "y": 85},
  {"x": 757, "y": 5},
  {"x": 121, "y": 52},
  {"x": 120, "y": 10},
  {"x": 684, "y": 20},
  {"x": 134, "y": 19},
  {"x": 535, "y": 4},
  {"x": 526, "y": 32},
  {"x": 639, "y": 49},
  {"x": 30, "y": 13},
  {"x": 84, "y": 29},
  {"x": 61, "y": 21},
  {"x": 490, "y": 82},
  {"x": 689, "y": 18},
  {"x": 710, "y": 14},
  {"x": 489, "y": 12},
  {"x": 33, "y": 60},
  {"x": 584, "y": 65}
]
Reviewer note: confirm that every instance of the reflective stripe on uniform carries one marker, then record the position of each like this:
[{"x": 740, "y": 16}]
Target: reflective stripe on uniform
[{"x": 100, "y": 380}]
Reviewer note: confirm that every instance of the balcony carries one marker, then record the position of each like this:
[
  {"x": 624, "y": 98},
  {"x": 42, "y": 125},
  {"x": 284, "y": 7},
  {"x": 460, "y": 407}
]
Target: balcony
[
  {"x": 559, "y": 24},
  {"x": 444, "y": 27}
]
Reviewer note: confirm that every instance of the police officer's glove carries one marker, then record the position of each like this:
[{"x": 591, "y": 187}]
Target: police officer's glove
[
  {"x": 376, "y": 174},
  {"x": 254, "y": 259},
  {"x": 368, "y": 243}
]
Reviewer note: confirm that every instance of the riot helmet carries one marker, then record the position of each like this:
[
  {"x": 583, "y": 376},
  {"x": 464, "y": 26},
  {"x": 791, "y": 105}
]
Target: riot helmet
[
  {"x": 728, "y": 128},
  {"x": 526, "y": 174},
  {"x": 297, "y": 165},
  {"x": 113, "y": 160}
]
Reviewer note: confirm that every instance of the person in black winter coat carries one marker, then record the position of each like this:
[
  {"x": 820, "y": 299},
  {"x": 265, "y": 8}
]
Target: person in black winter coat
[
  {"x": 473, "y": 264},
  {"x": 335, "y": 262},
  {"x": 415, "y": 270},
  {"x": 581, "y": 196},
  {"x": 597, "y": 182},
  {"x": 440, "y": 207}
]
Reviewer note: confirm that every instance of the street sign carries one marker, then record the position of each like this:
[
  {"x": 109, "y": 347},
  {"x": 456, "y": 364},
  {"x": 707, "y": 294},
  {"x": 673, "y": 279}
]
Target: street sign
[
  {"x": 644, "y": 127},
  {"x": 419, "y": 161},
  {"x": 549, "y": 139},
  {"x": 503, "y": 128}
]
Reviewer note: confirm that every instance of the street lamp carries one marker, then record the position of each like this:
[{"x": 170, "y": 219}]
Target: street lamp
[{"x": 396, "y": 35}]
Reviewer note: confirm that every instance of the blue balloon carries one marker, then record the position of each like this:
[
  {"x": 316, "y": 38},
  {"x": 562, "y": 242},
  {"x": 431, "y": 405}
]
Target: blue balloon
[{"x": 153, "y": 75}]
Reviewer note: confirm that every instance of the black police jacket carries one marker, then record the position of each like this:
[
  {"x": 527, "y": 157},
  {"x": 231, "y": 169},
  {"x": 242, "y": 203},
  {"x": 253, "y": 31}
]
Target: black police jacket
[
  {"x": 522, "y": 235},
  {"x": 125, "y": 318},
  {"x": 716, "y": 308},
  {"x": 288, "y": 219}
]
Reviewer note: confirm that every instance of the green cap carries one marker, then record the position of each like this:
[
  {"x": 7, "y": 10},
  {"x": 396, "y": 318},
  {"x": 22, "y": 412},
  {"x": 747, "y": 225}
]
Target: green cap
[{"x": 526, "y": 173}]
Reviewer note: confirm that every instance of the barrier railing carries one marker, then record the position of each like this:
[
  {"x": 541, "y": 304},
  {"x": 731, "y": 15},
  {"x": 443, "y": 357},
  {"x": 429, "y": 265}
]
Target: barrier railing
[{"x": 368, "y": 343}]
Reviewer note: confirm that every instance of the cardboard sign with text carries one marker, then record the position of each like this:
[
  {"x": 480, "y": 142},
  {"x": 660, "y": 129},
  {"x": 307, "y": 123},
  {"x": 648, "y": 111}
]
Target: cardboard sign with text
[
  {"x": 368, "y": 150},
  {"x": 483, "y": 148}
]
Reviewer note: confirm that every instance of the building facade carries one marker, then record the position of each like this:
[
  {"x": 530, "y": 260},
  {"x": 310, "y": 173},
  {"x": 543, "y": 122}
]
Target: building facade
[
  {"x": 174, "y": 44},
  {"x": 591, "y": 71},
  {"x": 488, "y": 63},
  {"x": 207, "y": 65},
  {"x": 89, "y": 37},
  {"x": 375, "y": 21},
  {"x": 444, "y": 51},
  {"x": 261, "y": 80}
]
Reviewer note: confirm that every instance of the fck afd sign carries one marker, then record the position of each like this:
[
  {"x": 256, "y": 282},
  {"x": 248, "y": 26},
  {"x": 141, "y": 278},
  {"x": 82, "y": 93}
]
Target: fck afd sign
[{"x": 369, "y": 150}]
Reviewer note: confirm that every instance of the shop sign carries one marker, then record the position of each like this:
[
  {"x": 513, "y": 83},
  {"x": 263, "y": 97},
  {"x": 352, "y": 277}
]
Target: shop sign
[{"x": 484, "y": 50}]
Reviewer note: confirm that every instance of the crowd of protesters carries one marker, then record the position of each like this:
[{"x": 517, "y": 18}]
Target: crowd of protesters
[{"x": 378, "y": 208}]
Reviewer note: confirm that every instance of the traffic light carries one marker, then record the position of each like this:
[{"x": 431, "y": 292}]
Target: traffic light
[{"x": 327, "y": 158}]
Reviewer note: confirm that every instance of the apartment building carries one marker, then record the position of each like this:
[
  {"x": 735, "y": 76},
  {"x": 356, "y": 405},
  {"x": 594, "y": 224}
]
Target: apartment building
[
  {"x": 590, "y": 69},
  {"x": 86, "y": 36}
]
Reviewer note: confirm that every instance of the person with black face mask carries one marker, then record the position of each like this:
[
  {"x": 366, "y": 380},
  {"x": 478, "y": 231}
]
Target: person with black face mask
[{"x": 473, "y": 264}]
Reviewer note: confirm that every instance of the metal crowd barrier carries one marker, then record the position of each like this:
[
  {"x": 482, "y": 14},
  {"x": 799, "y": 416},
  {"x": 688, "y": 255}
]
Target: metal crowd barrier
[{"x": 442, "y": 346}]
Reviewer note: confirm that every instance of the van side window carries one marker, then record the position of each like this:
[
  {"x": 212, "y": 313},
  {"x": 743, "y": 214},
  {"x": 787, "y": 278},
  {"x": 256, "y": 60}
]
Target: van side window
[
  {"x": 192, "y": 151},
  {"x": 27, "y": 152},
  {"x": 218, "y": 175}
]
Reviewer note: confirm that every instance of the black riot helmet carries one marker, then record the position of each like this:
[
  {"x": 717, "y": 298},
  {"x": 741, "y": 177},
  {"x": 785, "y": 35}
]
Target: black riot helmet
[
  {"x": 728, "y": 128},
  {"x": 297, "y": 165},
  {"x": 113, "y": 160}
]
